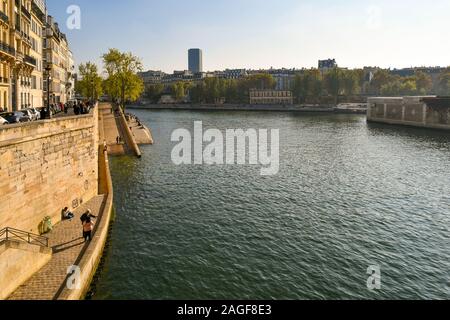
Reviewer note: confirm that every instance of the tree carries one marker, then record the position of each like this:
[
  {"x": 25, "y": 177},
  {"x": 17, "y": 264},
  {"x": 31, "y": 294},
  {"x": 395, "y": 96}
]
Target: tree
[
  {"x": 90, "y": 84},
  {"x": 381, "y": 78},
  {"x": 400, "y": 86},
  {"x": 424, "y": 83},
  {"x": 178, "y": 90},
  {"x": 308, "y": 86},
  {"x": 154, "y": 92},
  {"x": 261, "y": 81},
  {"x": 350, "y": 81},
  {"x": 444, "y": 83},
  {"x": 123, "y": 83},
  {"x": 332, "y": 83}
]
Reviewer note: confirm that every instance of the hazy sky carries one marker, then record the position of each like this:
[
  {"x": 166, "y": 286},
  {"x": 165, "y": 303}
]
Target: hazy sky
[{"x": 262, "y": 33}]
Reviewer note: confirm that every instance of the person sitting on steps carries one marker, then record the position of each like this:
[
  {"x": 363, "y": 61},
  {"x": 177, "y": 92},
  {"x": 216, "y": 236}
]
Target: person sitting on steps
[{"x": 67, "y": 215}]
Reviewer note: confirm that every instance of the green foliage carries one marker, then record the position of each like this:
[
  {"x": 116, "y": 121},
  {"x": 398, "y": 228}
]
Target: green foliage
[
  {"x": 387, "y": 84},
  {"x": 308, "y": 86},
  {"x": 123, "y": 83},
  {"x": 400, "y": 87},
  {"x": 233, "y": 91},
  {"x": 179, "y": 90},
  {"x": 154, "y": 92},
  {"x": 424, "y": 83},
  {"x": 380, "y": 79},
  {"x": 444, "y": 83},
  {"x": 91, "y": 84}
]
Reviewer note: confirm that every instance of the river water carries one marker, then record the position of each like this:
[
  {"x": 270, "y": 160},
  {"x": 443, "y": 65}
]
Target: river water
[{"x": 348, "y": 196}]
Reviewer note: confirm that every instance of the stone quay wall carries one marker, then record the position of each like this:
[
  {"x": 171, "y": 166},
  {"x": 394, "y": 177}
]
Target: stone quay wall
[
  {"x": 46, "y": 166},
  {"x": 90, "y": 259},
  {"x": 426, "y": 112}
]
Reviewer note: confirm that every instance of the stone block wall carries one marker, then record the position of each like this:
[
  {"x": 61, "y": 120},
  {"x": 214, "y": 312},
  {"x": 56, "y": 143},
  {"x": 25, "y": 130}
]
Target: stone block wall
[
  {"x": 18, "y": 262},
  {"x": 46, "y": 166}
]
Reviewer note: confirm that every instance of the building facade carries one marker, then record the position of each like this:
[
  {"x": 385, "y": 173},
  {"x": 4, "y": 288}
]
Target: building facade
[
  {"x": 195, "y": 60},
  {"x": 271, "y": 97},
  {"x": 56, "y": 59},
  {"x": 17, "y": 62},
  {"x": 29, "y": 40},
  {"x": 38, "y": 22},
  {"x": 325, "y": 65}
]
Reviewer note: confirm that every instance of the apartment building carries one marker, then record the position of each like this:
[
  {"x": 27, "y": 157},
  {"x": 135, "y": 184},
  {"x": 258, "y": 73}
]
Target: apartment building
[
  {"x": 271, "y": 97},
  {"x": 38, "y": 23},
  {"x": 16, "y": 62},
  {"x": 55, "y": 59},
  {"x": 30, "y": 41},
  {"x": 7, "y": 52}
]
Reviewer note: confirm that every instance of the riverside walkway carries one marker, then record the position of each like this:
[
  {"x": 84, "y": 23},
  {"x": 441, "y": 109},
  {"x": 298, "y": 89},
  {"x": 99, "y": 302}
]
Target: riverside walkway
[
  {"x": 66, "y": 241},
  {"x": 67, "y": 244},
  {"x": 111, "y": 130}
]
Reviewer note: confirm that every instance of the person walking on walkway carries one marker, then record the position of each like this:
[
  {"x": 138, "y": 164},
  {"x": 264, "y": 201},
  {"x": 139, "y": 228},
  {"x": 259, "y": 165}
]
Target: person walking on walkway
[{"x": 88, "y": 226}]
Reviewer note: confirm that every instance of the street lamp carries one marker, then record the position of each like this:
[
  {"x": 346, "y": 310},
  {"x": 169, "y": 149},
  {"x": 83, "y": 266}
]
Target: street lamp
[{"x": 48, "y": 70}]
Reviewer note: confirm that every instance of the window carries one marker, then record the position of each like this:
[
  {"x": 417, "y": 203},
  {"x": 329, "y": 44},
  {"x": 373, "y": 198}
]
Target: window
[{"x": 33, "y": 83}]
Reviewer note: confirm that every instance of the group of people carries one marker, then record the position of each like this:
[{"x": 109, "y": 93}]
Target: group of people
[
  {"x": 86, "y": 222},
  {"x": 82, "y": 107},
  {"x": 134, "y": 118}
]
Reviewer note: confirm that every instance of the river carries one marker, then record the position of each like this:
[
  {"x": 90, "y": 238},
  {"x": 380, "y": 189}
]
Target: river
[{"x": 348, "y": 196}]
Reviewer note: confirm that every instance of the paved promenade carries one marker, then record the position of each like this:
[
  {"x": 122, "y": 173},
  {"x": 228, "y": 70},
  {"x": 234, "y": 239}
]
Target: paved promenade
[
  {"x": 67, "y": 244},
  {"x": 112, "y": 130},
  {"x": 141, "y": 133}
]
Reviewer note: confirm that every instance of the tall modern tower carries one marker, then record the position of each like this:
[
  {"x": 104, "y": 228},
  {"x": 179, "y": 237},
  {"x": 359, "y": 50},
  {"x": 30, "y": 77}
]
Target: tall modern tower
[{"x": 195, "y": 60}]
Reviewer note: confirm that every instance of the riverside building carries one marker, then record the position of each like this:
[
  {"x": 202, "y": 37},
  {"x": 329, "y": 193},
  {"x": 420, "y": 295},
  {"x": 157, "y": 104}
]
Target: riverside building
[
  {"x": 29, "y": 38},
  {"x": 271, "y": 97},
  {"x": 16, "y": 62},
  {"x": 56, "y": 56}
]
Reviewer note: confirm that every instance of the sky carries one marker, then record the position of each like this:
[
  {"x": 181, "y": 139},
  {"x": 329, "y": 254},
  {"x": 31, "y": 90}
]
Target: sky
[{"x": 257, "y": 34}]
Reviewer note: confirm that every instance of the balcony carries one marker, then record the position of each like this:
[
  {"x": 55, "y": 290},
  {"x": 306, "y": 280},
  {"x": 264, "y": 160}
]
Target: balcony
[
  {"x": 4, "y": 17},
  {"x": 7, "y": 49},
  {"x": 26, "y": 13},
  {"x": 25, "y": 37},
  {"x": 30, "y": 60}
]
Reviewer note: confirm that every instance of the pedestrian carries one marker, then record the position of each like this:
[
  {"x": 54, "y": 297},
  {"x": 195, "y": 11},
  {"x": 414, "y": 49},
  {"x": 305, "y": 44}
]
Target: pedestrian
[
  {"x": 87, "y": 215},
  {"x": 118, "y": 139},
  {"x": 88, "y": 226}
]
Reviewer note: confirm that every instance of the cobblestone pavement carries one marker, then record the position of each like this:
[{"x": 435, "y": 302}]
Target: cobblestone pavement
[{"x": 67, "y": 243}]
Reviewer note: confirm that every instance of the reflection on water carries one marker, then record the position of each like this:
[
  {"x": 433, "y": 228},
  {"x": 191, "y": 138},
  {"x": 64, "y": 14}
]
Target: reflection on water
[{"x": 348, "y": 196}]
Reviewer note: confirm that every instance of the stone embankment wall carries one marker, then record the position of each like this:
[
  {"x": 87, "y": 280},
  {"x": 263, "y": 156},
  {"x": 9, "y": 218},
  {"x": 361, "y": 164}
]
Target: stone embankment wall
[
  {"x": 46, "y": 166},
  {"x": 90, "y": 259},
  {"x": 237, "y": 107},
  {"x": 427, "y": 112},
  {"x": 129, "y": 137},
  {"x": 18, "y": 262}
]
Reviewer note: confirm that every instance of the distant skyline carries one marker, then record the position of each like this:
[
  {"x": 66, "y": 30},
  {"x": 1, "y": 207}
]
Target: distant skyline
[{"x": 253, "y": 34}]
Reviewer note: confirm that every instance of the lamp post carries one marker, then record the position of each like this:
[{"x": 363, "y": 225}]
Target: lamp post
[{"x": 48, "y": 70}]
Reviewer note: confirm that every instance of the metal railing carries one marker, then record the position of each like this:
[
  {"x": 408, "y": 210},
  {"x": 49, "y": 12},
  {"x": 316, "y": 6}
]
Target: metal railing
[
  {"x": 30, "y": 60},
  {"x": 4, "y": 17},
  {"x": 7, "y": 48},
  {"x": 11, "y": 234},
  {"x": 26, "y": 12}
]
